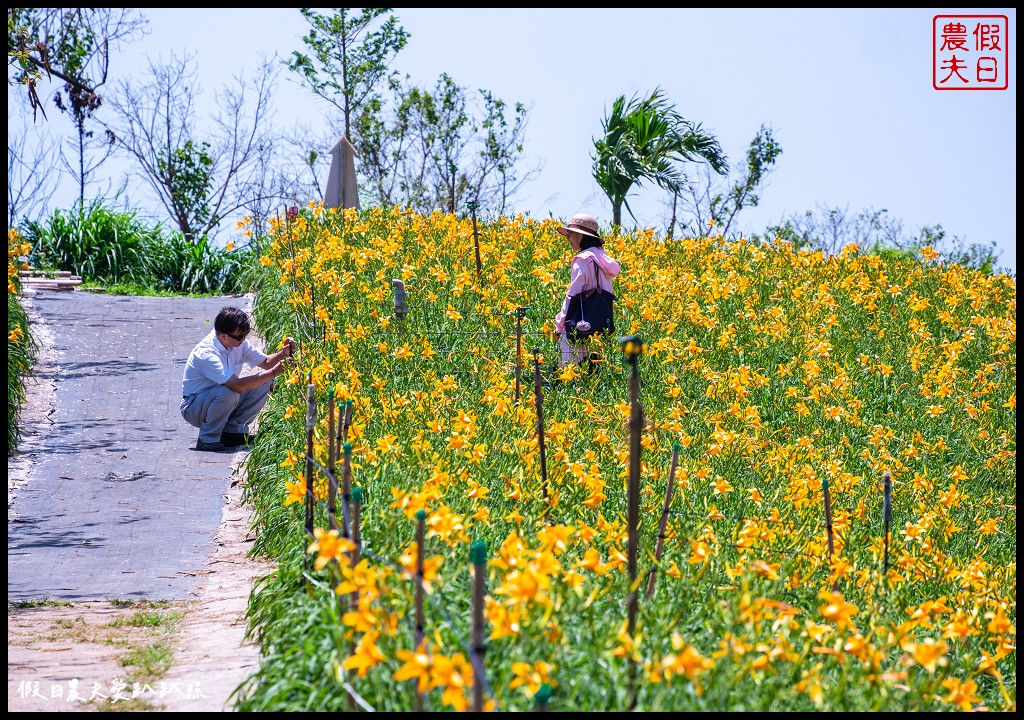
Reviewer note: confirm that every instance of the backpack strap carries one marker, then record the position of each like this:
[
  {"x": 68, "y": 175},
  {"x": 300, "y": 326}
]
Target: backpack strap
[{"x": 597, "y": 278}]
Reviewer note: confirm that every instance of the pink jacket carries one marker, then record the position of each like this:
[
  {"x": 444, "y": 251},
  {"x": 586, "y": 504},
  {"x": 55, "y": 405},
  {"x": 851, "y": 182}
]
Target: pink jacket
[{"x": 583, "y": 277}]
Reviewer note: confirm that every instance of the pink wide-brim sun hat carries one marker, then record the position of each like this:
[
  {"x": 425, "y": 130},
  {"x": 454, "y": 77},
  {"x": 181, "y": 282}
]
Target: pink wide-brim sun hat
[{"x": 583, "y": 224}]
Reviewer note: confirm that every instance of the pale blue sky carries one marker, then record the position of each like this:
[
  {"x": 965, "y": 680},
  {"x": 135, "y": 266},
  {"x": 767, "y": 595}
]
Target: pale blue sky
[{"x": 848, "y": 94}]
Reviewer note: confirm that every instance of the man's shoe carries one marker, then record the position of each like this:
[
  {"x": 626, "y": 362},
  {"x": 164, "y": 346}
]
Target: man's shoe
[
  {"x": 210, "y": 447},
  {"x": 230, "y": 439}
]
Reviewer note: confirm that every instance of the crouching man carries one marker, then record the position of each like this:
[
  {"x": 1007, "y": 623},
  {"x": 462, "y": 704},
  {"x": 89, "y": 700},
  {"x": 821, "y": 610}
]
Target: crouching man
[{"x": 215, "y": 397}]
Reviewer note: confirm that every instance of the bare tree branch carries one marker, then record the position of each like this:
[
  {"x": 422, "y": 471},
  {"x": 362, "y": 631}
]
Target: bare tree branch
[
  {"x": 31, "y": 175},
  {"x": 199, "y": 181}
]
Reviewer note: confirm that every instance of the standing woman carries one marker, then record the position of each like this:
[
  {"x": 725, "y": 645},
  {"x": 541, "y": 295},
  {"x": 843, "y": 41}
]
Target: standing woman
[{"x": 592, "y": 269}]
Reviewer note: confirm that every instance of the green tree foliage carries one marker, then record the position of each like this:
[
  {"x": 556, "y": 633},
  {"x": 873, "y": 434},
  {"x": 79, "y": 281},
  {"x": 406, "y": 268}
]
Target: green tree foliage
[
  {"x": 46, "y": 43},
  {"x": 761, "y": 156},
  {"x": 646, "y": 139},
  {"x": 498, "y": 170},
  {"x": 188, "y": 175},
  {"x": 423, "y": 148},
  {"x": 349, "y": 57},
  {"x": 447, "y": 131},
  {"x": 441, "y": 148}
]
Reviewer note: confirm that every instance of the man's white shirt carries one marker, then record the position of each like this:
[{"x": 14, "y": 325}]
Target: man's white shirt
[{"x": 211, "y": 364}]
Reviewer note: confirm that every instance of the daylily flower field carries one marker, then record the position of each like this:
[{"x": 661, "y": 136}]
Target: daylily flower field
[{"x": 773, "y": 374}]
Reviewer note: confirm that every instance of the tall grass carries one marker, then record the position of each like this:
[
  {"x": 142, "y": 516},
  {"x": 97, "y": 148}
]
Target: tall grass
[
  {"x": 116, "y": 248},
  {"x": 95, "y": 242}
]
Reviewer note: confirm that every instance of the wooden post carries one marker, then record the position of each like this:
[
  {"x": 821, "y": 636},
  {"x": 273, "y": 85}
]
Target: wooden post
[
  {"x": 312, "y": 305},
  {"x": 886, "y": 522},
  {"x": 520, "y": 313},
  {"x": 664, "y": 516},
  {"x": 478, "y": 555},
  {"x": 633, "y": 347},
  {"x": 828, "y": 527},
  {"x": 472, "y": 205},
  {"x": 310, "y": 425},
  {"x": 421, "y": 520},
  {"x": 451, "y": 189},
  {"x": 357, "y": 513},
  {"x": 542, "y": 698},
  {"x": 346, "y": 490},
  {"x": 348, "y": 421},
  {"x": 538, "y": 401},
  {"x": 332, "y": 479},
  {"x": 357, "y": 501},
  {"x": 341, "y": 430},
  {"x": 353, "y": 597},
  {"x": 289, "y": 218},
  {"x": 401, "y": 309}
]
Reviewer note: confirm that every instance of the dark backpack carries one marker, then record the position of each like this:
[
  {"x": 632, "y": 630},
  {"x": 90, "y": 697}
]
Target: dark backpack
[{"x": 590, "y": 312}]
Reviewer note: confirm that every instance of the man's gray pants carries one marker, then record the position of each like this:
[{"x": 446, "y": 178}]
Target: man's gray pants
[{"x": 221, "y": 409}]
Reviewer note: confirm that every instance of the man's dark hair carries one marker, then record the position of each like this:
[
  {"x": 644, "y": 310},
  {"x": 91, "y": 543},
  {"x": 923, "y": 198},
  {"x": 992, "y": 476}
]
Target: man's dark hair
[
  {"x": 231, "y": 321},
  {"x": 588, "y": 242}
]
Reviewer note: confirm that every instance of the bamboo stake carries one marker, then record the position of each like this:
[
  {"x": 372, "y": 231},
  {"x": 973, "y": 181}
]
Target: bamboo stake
[
  {"x": 828, "y": 527},
  {"x": 352, "y": 601},
  {"x": 664, "y": 517},
  {"x": 291, "y": 213},
  {"x": 421, "y": 519},
  {"x": 538, "y": 401},
  {"x": 478, "y": 555},
  {"x": 633, "y": 348},
  {"x": 886, "y": 520},
  {"x": 542, "y": 698},
  {"x": 348, "y": 420},
  {"x": 353, "y": 597},
  {"x": 291, "y": 278},
  {"x": 310, "y": 425},
  {"x": 357, "y": 542},
  {"x": 472, "y": 205},
  {"x": 346, "y": 490},
  {"x": 312, "y": 305},
  {"x": 520, "y": 313},
  {"x": 332, "y": 479},
  {"x": 357, "y": 533},
  {"x": 454, "y": 177},
  {"x": 307, "y": 561},
  {"x": 341, "y": 431}
]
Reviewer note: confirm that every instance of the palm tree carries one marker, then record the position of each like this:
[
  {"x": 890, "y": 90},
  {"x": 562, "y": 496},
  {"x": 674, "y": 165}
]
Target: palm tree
[{"x": 645, "y": 139}]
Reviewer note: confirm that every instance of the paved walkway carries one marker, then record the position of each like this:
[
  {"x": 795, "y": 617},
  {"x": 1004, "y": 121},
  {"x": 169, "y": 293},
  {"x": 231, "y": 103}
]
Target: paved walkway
[{"x": 116, "y": 503}]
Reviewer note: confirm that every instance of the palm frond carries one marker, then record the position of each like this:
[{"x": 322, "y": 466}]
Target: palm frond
[{"x": 645, "y": 138}]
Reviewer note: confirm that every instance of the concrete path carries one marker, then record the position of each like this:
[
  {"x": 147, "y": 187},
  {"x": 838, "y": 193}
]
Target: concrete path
[{"x": 116, "y": 503}]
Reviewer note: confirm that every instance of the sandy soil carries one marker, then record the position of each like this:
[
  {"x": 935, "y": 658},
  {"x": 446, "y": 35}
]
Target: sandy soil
[{"x": 95, "y": 651}]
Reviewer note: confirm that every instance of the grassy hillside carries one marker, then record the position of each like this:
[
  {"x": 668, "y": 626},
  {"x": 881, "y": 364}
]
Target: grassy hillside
[{"x": 774, "y": 375}]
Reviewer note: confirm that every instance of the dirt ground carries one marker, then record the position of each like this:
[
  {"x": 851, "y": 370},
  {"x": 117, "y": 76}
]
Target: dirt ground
[{"x": 168, "y": 656}]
